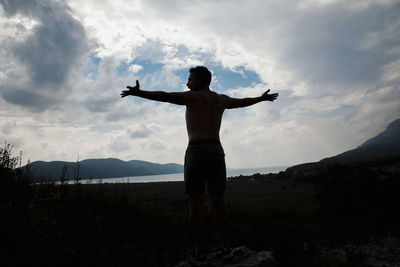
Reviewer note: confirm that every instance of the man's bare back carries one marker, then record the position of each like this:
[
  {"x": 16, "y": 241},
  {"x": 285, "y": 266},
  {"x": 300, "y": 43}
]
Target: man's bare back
[{"x": 204, "y": 115}]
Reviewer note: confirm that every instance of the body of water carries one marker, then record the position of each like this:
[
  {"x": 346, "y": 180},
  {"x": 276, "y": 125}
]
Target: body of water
[{"x": 179, "y": 176}]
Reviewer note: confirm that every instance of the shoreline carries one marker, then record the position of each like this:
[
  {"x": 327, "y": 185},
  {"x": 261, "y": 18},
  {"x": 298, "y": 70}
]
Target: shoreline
[{"x": 177, "y": 177}]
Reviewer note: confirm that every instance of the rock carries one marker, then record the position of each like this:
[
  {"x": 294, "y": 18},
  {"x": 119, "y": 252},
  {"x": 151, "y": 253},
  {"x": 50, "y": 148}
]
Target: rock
[{"x": 241, "y": 256}]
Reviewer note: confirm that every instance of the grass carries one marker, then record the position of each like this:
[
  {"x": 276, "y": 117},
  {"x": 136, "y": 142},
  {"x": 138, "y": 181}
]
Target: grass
[
  {"x": 265, "y": 194},
  {"x": 264, "y": 214}
]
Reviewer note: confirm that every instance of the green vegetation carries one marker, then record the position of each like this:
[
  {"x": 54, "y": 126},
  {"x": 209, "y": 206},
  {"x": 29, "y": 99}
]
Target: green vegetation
[{"x": 296, "y": 215}]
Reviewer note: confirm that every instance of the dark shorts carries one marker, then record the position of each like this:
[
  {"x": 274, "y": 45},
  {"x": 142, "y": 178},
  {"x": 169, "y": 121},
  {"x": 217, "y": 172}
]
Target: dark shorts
[{"x": 205, "y": 163}]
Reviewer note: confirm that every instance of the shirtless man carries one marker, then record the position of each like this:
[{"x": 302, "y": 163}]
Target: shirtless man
[{"x": 204, "y": 158}]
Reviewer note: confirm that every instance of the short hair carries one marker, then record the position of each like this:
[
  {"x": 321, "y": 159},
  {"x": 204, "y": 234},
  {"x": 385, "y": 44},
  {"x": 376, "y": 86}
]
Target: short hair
[{"x": 202, "y": 73}]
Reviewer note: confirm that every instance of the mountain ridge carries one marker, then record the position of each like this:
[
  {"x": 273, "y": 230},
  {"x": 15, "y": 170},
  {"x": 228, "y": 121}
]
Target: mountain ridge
[
  {"x": 102, "y": 168},
  {"x": 383, "y": 146}
]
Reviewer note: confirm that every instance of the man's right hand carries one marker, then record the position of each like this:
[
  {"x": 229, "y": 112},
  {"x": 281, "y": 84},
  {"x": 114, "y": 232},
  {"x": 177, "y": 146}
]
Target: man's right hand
[
  {"x": 132, "y": 90},
  {"x": 269, "y": 97}
]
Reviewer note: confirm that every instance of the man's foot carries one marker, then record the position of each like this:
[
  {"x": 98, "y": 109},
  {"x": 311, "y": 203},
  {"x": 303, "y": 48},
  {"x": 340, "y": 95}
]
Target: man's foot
[
  {"x": 196, "y": 256},
  {"x": 223, "y": 252}
]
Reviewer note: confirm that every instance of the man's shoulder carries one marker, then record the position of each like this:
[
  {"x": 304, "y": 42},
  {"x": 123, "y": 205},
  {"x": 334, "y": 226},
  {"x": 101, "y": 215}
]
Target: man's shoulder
[
  {"x": 207, "y": 94},
  {"x": 187, "y": 94},
  {"x": 218, "y": 94},
  {"x": 222, "y": 97}
]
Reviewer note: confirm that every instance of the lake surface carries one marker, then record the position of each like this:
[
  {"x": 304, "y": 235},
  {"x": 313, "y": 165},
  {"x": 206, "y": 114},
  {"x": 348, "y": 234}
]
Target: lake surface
[{"x": 179, "y": 176}]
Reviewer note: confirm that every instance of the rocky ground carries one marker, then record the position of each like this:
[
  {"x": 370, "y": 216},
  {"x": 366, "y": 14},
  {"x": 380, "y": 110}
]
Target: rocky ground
[
  {"x": 240, "y": 256},
  {"x": 376, "y": 253}
]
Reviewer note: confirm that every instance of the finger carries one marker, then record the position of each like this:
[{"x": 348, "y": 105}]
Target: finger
[
  {"x": 267, "y": 91},
  {"x": 137, "y": 83}
]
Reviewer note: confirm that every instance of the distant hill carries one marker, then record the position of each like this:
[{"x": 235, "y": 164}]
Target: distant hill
[
  {"x": 383, "y": 146},
  {"x": 103, "y": 168}
]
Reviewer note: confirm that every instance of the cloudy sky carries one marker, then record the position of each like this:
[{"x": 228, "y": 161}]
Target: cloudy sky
[{"x": 63, "y": 64}]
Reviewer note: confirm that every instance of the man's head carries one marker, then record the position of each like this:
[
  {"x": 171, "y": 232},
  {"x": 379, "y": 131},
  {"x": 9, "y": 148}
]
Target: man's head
[{"x": 200, "y": 77}]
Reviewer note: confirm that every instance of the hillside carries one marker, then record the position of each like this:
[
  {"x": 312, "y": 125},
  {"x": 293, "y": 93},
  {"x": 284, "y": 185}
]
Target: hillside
[
  {"x": 103, "y": 168},
  {"x": 385, "y": 145}
]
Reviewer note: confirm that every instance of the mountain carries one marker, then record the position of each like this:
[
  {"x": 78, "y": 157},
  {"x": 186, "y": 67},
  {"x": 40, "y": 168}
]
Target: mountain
[
  {"x": 103, "y": 168},
  {"x": 383, "y": 146},
  {"x": 390, "y": 137}
]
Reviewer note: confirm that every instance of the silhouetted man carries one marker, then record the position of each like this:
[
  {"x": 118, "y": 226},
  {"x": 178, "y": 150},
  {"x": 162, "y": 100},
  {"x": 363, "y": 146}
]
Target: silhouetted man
[{"x": 204, "y": 158}]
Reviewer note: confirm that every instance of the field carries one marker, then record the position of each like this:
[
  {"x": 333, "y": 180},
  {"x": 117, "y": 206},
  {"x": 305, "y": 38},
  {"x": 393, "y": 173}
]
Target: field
[
  {"x": 145, "y": 224},
  {"x": 263, "y": 213}
]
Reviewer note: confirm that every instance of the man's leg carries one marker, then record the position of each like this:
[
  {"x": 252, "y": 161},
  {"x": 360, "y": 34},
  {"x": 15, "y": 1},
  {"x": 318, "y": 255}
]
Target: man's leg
[
  {"x": 196, "y": 222},
  {"x": 221, "y": 212}
]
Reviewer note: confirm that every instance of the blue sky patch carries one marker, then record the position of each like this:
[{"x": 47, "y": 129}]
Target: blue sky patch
[
  {"x": 227, "y": 79},
  {"x": 148, "y": 65},
  {"x": 122, "y": 69},
  {"x": 92, "y": 69}
]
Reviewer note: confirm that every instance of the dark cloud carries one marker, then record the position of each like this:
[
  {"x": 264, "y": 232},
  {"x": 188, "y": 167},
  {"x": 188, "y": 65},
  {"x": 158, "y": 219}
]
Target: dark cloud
[
  {"x": 12, "y": 7},
  {"x": 141, "y": 132},
  {"x": 49, "y": 53},
  {"x": 329, "y": 44},
  {"x": 34, "y": 101},
  {"x": 100, "y": 105}
]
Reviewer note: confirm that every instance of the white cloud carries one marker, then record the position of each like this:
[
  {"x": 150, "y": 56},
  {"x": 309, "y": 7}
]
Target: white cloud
[{"x": 135, "y": 68}]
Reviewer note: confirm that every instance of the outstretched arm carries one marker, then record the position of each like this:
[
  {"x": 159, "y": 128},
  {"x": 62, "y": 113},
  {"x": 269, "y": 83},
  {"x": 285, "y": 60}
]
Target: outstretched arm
[
  {"x": 248, "y": 101},
  {"x": 178, "y": 98}
]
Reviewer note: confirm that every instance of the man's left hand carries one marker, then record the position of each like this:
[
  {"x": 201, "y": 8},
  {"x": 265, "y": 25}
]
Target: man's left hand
[
  {"x": 132, "y": 90},
  {"x": 269, "y": 97}
]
